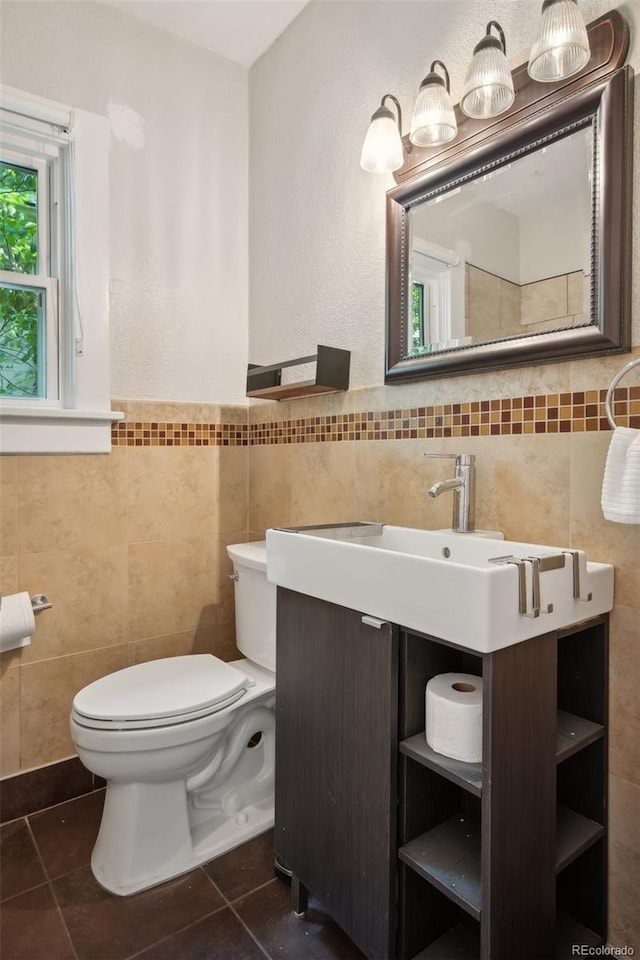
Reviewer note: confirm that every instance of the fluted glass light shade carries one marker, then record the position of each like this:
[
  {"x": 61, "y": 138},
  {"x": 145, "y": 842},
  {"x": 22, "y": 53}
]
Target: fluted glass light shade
[
  {"x": 433, "y": 119},
  {"x": 488, "y": 86},
  {"x": 382, "y": 149},
  {"x": 561, "y": 47}
]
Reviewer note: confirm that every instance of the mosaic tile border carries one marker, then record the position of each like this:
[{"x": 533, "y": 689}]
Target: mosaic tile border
[
  {"x": 582, "y": 411},
  {"x": 552, "y": 413},
  {"x": 141, "y": 433}
]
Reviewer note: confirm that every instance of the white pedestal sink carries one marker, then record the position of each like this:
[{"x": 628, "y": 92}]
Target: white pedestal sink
[{"x": 480, "y": 593}]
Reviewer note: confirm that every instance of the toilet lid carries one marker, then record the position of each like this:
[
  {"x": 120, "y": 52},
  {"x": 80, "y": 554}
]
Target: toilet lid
[{"x": 161, "y": 689}]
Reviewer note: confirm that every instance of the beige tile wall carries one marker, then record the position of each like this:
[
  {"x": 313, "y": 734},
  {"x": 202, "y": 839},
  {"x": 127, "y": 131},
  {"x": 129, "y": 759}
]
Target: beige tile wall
[
  {"x": 541, "y": 488},
  {"x": 130, "y": 549},
  {"x": 497, "y": 308}
]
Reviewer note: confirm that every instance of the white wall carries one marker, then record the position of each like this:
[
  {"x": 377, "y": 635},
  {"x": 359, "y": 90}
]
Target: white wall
[
  {"x": 553, "y": 243},
  {"x": 178, "y": 189},
  {"x": 317, "y": 258},
  {"x": 484, "y": 234}
]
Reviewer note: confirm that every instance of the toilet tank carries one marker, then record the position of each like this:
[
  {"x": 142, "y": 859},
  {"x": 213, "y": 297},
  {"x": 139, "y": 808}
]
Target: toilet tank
[{"x": 255, "y": 600}]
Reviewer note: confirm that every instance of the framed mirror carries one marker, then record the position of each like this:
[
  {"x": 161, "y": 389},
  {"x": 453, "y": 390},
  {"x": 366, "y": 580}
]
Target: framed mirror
[{"x": 511, "y": 246}]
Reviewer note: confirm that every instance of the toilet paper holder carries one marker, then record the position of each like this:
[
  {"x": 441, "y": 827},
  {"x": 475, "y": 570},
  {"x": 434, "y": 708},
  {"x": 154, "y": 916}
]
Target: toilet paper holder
[{"x": 40, "y": 602}]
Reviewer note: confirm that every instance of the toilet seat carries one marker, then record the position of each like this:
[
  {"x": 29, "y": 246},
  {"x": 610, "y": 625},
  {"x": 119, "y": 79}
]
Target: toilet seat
[{"x": 160, "y": 693}]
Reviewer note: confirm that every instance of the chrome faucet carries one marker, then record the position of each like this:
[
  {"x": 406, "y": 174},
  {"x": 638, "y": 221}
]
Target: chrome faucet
[{"x": 463, "y": 485}]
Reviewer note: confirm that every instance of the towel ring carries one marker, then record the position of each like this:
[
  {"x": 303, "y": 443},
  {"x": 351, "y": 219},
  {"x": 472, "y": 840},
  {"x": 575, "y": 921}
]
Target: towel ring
[{"x": 614, "y": 383}]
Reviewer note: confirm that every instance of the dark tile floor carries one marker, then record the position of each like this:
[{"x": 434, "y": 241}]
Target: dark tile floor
[{"x": 232, "y": 908}]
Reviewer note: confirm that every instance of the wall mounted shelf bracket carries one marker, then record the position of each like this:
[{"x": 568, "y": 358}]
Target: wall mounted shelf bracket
[{"x": 332, "y": 374}]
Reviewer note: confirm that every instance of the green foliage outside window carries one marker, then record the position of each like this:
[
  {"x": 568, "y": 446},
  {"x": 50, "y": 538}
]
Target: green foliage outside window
[
  {"x": 417, "y": 320},
  {"x": 417, "y": 314},
  {"x": 20, "y": 307}
]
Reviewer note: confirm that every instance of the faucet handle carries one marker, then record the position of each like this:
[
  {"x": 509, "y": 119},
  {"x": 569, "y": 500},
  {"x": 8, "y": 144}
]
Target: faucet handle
[{"x": 461, "y": 459}]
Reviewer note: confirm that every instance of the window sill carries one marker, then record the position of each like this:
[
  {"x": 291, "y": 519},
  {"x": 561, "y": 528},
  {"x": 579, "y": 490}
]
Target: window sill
[{"x": 24, "y": 429}]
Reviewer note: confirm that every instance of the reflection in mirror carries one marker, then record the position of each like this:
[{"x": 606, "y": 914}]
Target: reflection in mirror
[{"x": 506, "y": 254}]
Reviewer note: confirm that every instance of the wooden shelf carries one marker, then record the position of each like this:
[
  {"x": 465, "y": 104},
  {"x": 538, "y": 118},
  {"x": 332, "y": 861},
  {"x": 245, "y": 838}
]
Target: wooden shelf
[
  {"x": 449, "y": 858},
  {"x": 570, "y": 933},
  {"x": 573, "y": 733},
  {"x": 459, "y": 943},
  {"x": 449, "y": 855},
  {"x": 332, "y": 375},
  {"x": 465, "y": 775},
  {"x": 463, "y": 943},
  {"x": 574, "y": 835}
]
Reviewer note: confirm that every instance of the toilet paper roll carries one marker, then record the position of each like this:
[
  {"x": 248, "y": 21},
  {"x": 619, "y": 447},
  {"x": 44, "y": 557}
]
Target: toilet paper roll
[
  {"x": 17, "y": 623},
  {"x": 453, "y": 708}
]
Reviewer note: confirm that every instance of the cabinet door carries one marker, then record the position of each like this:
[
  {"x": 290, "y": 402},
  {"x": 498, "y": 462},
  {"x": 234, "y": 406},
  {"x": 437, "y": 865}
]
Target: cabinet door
[{"x": 336, "y": 735}]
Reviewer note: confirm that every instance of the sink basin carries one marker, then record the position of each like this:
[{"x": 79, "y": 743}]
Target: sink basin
[{"x": 480, "y": 593}]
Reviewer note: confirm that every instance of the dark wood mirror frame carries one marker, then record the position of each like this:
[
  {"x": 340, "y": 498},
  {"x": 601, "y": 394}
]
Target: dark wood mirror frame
[{"x": 602, "y": 95}]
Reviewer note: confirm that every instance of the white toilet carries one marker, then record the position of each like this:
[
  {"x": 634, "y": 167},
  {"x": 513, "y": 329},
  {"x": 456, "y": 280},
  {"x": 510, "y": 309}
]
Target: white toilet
[{"x": 186, "y": 745}]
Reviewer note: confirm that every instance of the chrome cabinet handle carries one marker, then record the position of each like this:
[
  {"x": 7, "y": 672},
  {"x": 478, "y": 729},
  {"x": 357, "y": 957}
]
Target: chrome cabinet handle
[{"x": 374, "y": 622}]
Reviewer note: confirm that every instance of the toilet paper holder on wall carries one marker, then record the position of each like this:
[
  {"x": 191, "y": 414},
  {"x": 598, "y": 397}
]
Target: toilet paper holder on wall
[{"x": 40, "y": 602}]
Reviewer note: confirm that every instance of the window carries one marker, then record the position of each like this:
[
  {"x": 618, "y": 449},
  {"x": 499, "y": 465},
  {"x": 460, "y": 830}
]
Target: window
[
  {"x": 54, "y": 370},
  {"x": 418, "y": 339},
  {"x": 437, "y": 311},
  {"x": 29, "y": 293}
]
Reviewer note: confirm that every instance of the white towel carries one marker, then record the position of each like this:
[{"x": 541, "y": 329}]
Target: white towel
[{"x": 621, "y": 482}]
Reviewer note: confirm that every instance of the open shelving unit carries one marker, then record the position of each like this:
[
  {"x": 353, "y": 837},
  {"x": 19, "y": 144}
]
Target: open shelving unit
[
  {"x": 482, "y": 852},
  {"x": 331, "y": 375}
]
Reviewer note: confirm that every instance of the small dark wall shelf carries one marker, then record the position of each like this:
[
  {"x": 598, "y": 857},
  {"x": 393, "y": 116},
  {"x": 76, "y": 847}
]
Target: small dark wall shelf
[{"x": 332, "y": 374}]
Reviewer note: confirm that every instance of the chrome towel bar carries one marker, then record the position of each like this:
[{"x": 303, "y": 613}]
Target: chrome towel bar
[{"x": 612, "y": 386}]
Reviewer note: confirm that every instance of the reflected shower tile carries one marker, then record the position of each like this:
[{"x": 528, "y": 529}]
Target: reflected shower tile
[
  {"x": 578, "y": 289},
  {"x": 544, "y": 300},
  {"x": 510, "y": 309}
]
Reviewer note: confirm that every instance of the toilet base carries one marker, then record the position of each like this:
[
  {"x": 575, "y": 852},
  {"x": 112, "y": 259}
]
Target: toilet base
[{"x": 218, "y": 835}]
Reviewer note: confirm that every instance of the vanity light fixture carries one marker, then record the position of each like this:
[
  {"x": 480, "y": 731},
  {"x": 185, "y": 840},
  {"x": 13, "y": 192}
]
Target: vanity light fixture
[
  {"x": 560, "y": 50},
  {"x": 382, "y": 150},
  {"x": 433, "y": 121},
  {"x": 561, "y": 47},
  {"x": 488, "y": 86}
]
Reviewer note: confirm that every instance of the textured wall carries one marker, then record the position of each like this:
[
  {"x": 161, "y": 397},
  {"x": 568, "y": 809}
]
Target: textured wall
[
  {"x": 317, "y": 219},
  {"x": 178, "y": 189}
]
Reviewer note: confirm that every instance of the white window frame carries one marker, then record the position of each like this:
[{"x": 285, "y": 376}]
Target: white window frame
[
  {"x": 442, "y": 273},
  {"x": 45, "y": 163},
  {"x": 78, "y": 418}
]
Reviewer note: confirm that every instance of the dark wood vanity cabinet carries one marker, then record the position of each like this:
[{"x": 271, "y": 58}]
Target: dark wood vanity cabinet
[
  {"x": 416, "y": 855},
  {"x": 336, "y": 779}
]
